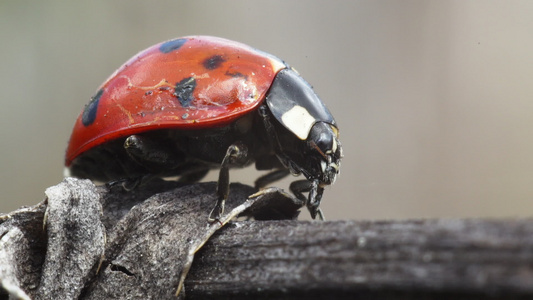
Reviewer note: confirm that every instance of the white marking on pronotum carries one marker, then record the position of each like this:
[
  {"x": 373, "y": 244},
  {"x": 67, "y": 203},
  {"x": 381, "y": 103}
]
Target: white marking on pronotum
[{"x": 299, "y": 121}]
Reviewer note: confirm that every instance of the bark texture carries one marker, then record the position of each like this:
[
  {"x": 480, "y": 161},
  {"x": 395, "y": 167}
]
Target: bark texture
[{"x": 88, "y": 242}]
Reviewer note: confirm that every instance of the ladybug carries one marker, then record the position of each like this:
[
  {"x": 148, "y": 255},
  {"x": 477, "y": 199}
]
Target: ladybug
[{"x": 191, "y": 104}]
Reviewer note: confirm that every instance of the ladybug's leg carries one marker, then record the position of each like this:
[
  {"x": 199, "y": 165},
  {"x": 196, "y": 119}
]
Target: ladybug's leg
[
  {"x": 152, "y": 155},
  {"x": 235, "y": 153},
  {"x": 271, "y": 131},
  {"x": 270, "y": 177},
  {"x": 313, "y": 200},
  {"x": 130, "y": 184}
]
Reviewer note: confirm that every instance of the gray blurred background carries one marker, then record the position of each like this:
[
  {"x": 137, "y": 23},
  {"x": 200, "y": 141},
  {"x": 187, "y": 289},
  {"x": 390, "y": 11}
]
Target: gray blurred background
[{"x": 434, "y": 98}]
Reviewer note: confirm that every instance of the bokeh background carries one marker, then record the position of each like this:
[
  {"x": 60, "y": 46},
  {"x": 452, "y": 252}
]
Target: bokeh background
[{"x": 434, "y": 98}]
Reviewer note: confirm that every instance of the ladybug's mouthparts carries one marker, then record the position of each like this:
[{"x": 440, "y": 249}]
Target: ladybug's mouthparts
[
  {"x": 330, "y": 175},
  {"x": 330, "y": 169}
]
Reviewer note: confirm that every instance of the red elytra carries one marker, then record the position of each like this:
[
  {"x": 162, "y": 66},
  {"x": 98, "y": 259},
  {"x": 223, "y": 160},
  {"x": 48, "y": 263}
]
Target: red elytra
[{"x": 230, "y": 80}]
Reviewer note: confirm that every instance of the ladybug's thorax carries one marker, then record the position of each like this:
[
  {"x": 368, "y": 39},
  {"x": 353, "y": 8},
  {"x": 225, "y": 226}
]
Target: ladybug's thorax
[{"x": 295, "y": 105}]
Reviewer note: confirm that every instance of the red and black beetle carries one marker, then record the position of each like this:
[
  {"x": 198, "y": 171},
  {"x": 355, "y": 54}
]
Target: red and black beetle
[{"x": 191, "y": 104}]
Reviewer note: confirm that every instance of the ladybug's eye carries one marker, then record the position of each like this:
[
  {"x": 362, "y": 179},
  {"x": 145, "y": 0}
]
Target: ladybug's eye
[{"x": 322, "y": 139}]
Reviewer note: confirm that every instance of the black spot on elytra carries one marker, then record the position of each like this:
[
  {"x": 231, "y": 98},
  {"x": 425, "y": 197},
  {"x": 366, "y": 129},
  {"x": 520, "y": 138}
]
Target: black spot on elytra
[
  {"x": 236, "y": 75},
  {"x": 172, "y": 45},
  {"x": 213, "y": 62},
  {"x": 184, "y": 89},
  {"x": 89, "y": 112}
]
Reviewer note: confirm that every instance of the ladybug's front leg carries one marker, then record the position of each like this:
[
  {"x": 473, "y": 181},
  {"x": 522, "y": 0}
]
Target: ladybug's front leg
[
  {"x": 315, "y": 196},
  {"x": 268, "y": 178},
  {"x": 236, "y": 153}
]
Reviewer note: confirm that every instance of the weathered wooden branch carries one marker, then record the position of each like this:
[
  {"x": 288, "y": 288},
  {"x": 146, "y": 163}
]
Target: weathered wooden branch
[
  {"x": 102, "y": 243},
  {"x": 423, "y": 259}
]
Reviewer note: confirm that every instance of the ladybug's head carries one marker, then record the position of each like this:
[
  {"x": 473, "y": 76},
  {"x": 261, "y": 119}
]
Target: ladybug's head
[
  {"x": 324, "y": 152},
  {"x": 311, "y": 145}
]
